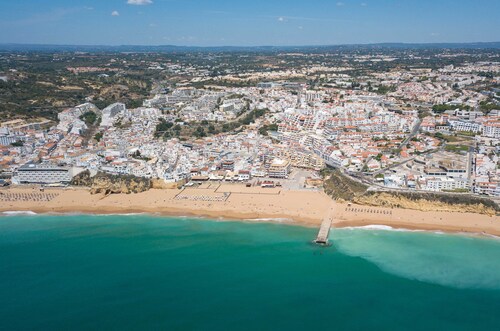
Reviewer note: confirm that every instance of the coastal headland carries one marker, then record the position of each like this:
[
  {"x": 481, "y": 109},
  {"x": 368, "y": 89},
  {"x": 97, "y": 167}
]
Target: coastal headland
[{"x": 235, "y": 201}]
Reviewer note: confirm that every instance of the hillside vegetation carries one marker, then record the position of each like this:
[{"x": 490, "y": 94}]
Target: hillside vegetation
[{"x": 343, "y": 188}]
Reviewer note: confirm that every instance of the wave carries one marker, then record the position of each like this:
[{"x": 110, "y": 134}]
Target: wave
[
  {"x": 371, "y": 227},
  {"x": 278, "y": 220},
  {"x": 123, "y": 214},
  {"x": 377, "y": 227},
  {"x": 18, "y": 212},
  {"x": 380, "y": 227},
  {"x": 492, "y": 236}
]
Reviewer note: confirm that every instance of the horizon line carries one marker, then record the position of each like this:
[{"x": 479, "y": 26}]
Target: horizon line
[{"x": 251, "y": 46}]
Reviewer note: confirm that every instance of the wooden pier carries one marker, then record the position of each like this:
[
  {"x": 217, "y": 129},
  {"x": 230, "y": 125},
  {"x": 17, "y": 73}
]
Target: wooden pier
[{"x": 324, "y": 231}]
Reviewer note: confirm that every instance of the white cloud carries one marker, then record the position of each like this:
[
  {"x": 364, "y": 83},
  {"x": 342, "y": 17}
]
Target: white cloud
[
  {"x": 115, "y": 13},
  {"x": 281, "y": 19},
  {"x": 301, "y": 27},
  {"x": 139, "y": 2}
]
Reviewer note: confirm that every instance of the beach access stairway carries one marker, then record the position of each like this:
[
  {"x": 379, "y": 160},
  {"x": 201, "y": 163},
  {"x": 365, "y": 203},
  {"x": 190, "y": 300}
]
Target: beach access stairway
[{"x": 324, "y": 230}]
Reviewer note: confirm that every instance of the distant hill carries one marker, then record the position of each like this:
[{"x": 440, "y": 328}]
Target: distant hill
[{"x": 181, "y": 49}]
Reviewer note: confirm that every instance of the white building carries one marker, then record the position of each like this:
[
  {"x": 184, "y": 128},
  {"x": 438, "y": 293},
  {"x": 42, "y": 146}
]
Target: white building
[
  {"x": 111, "y": 112},
  {"x": 492, "y": 129},
  {"x": 446, "y": 184},
  {"x": 464, "y": 126},
  {"x": 279, "y": 169},
  {"x": 31, "y": 173}
]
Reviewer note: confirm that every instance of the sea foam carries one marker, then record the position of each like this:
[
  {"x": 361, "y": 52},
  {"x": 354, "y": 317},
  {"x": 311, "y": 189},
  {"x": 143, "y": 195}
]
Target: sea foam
[
  {"x": 449, "y": 260},
  {"x": 278, "y": 220},
  {"x": 18, "y": 212},
  {"x": 387, "y": 228}
]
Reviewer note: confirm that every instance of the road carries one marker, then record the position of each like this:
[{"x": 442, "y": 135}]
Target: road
[
  {"x": 413, "y": 133},
  {"x": 395, "y": 165},
  {"x": 470, "y": 165}
]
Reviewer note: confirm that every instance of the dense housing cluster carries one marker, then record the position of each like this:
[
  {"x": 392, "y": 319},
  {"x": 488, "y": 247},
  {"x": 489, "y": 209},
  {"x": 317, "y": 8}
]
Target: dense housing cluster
[{"x": 400, "y": 119}]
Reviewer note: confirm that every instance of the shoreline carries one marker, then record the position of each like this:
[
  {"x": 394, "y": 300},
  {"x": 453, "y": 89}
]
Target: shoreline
[
  {"x": 403, "y": 227},
  {"x": 303, "y": 208}
]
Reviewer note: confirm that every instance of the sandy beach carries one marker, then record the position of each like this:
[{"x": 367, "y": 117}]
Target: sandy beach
[{"x": 235, "y": 201}]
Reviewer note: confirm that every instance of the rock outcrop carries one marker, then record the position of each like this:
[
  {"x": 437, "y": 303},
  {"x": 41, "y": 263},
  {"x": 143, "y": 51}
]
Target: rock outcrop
[
  {"x": 112, "y": 184},
  {"x": 162, "y": 185}
]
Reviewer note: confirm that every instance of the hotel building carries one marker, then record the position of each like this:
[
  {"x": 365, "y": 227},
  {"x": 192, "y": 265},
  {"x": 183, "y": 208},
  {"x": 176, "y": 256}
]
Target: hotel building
[{"x": 31, "y": 173}]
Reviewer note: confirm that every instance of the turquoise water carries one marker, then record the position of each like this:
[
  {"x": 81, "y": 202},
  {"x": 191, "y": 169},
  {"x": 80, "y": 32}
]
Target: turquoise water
[{"x": 142, "y": 272}]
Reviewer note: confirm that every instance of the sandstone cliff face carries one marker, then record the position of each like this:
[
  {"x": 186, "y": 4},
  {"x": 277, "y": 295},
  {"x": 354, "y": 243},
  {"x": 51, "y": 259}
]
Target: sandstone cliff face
[
  {"x": 160, "y": 184},
  {"x": 82, "y": 179},
  {"x": 342, "y": 188},
  {"x": 111, "y": 184},
  {"x": 391, "y": 200}
]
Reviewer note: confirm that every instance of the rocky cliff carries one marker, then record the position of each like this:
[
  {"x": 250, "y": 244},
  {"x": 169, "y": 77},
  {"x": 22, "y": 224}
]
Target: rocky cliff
[
  {"x": 343, "y": 188},
  {"x": 428, "y": 202},
  {"x": 162, "y": 185},
  {"x": 110, "y": 184}
]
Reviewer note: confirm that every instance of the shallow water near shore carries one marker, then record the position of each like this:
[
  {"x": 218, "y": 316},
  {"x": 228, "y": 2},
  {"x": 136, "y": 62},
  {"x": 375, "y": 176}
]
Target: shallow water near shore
[{"x": 122, "y": 272}]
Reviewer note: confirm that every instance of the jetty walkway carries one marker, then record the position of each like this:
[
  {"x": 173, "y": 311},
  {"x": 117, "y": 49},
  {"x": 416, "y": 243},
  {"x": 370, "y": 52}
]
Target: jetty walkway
[{"x": 324, "y": 229}]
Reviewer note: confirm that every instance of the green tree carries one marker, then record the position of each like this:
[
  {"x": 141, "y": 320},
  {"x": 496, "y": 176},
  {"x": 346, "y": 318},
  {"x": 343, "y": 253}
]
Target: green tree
[
  {"x": 200, "y": 132},
  {"x": 98, "y": 136},
  {"x": 89, "y": 118},
  {"x": 162, "y": 127}
]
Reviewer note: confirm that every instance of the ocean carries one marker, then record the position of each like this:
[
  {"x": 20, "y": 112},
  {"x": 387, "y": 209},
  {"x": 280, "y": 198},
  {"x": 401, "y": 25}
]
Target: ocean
[{"x": 142, "y": 272}]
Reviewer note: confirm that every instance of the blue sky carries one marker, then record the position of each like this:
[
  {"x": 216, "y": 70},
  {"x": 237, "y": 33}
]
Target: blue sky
[{"x": 250, "y": 22}]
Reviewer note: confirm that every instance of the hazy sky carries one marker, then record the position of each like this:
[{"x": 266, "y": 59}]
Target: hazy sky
[{"x": 250, "y": 22}]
